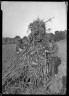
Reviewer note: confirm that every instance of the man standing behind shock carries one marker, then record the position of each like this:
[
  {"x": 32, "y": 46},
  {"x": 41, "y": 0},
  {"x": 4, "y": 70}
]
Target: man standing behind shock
[
  {"x": 18, "y": 46},
  {"x": 54, "y": 49}
]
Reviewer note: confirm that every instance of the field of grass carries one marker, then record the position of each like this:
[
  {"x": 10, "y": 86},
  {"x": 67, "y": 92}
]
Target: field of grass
[
  {"x": 63, "y": 55},
  {"x": 8, "y": 57}
]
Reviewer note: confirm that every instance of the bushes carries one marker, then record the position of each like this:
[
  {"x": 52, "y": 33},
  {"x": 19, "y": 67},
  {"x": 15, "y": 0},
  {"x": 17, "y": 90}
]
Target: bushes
[
  {"x": 37, "y": 36},
  {"x": 59, "y": 35},
  {"x": 8, "y": 40}
]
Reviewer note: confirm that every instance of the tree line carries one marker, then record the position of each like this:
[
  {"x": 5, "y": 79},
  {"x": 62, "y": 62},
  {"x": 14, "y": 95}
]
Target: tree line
[{"x": 59, "y": 35}]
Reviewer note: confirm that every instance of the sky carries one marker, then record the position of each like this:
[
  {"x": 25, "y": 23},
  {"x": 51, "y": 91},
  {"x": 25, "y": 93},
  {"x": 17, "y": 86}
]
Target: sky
[{"x": 18, "y": 15}]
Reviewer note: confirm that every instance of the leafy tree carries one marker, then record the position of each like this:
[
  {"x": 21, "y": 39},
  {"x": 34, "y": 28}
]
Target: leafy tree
[
  {"x": 7, "y": 40},
  {"x": 25, "y": 39},
  {"x": 17, "y": 38},
  {"x": 60, "y": 35}
]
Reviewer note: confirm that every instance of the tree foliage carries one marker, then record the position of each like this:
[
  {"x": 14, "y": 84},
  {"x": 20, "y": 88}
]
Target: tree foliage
[{"x": 60, "y": 35}]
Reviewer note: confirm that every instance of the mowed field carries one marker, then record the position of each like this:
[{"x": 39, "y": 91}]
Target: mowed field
[
  {"x": 9, "y": 56},
  {"x": 63, "y": 55}
]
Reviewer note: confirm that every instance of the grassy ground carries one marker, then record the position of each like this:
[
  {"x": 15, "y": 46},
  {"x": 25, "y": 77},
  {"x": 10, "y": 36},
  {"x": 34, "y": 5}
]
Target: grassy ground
[
  {"x": 63, "y": 55},
  {"x": 8, "y": 57}
]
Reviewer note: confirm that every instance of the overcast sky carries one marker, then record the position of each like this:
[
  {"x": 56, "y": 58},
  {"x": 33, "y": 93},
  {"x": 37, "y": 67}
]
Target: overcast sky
[{"x": 18, "y": 15}]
